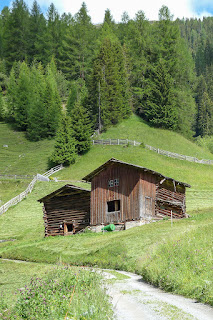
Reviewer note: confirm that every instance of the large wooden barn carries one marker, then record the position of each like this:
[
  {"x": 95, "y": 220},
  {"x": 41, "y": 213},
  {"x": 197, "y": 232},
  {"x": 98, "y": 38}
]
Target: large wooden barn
[
  {"x": 66, "y": 210},
  {"x": 122, "y": 192}
]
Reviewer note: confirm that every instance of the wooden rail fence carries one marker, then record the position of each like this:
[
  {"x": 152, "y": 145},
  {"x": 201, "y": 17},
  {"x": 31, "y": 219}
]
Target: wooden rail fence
[
  {"x": 29, "y": 189},
  {"x": 16, "y": 176},
  {"x": 159, "y": 151}
]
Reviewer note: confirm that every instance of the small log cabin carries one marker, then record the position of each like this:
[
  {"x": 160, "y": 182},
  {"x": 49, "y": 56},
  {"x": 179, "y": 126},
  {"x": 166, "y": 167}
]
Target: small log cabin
[
  {"x": 122, "y": 192},
  {"x": 66, "y": 210}
]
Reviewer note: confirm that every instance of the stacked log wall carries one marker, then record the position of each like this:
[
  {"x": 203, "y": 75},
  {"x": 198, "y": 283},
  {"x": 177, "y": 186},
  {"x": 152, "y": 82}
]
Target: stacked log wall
[
  {"x": 170, "y": 200},
  {"x": 69, "y": 209}
]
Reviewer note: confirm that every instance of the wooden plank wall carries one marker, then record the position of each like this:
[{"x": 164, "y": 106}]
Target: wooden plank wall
[
  {"x": 127, "y": 192},
  {"x": 136, "y": 189},
  {"x": 73, "y": 208}
]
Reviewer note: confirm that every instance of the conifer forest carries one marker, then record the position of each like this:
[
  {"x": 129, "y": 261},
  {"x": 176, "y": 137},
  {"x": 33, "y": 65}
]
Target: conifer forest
[{"x": 61, "y": 75}]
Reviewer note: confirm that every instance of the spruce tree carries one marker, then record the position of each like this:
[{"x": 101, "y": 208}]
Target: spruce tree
[
  {"x": 37, "y": 115},
  {"x": 52, "y": 101},
  {"x": 81, "y": 128},
  {"x": 37, "y": 35},
  {"x": 64, "y": 151},
  {"x": 109, "y": 87},
  {"x": 1, "y": 106},
  {"x": 22, "y": 99},
  {"x": 78, "y": 94},
  {"x": 159, "y": 108},
  {"x": 17, "y": 33}
]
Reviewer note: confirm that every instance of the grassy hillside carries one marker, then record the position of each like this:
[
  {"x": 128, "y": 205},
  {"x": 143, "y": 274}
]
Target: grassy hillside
[
  {"x": 177, "y": 257},
  {"x": 22, "y": 156},
  {"x": 137, "y": 129},
  {"x": 146, "y": 250}
]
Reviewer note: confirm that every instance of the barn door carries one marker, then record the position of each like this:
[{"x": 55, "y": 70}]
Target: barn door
[{"x": 148, "y": 207}]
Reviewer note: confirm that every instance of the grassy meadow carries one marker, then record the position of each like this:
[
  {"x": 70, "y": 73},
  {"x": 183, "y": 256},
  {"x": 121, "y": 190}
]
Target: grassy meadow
[
  {"x": 52, "y": 292},
  {"x": 175, "y": 257}
]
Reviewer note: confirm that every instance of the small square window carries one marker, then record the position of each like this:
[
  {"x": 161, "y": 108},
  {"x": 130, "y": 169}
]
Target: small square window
[
  {"x": 111, "y": 183},
  {"x": 116, "y": 182},
  {"x": 113, "y": 206}
]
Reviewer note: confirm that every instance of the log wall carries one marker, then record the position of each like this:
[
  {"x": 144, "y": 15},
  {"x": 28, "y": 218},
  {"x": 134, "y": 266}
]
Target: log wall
[{"x": 63, "y": 210}]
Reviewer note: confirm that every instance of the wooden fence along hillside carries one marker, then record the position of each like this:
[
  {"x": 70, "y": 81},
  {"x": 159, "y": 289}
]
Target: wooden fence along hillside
[
  {"x": 163, "y": 152},
  {"x": 23, "y": 195}
]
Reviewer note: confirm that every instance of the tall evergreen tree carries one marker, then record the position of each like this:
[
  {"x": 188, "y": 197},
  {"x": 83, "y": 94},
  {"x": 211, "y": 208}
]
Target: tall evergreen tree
[
  {"x": 22, "y": 99},
  {"x": 78, "y": 94},
  {"x": 37, "y": 115},
  {"x": 159, "y": 108},
  {"x": 64, "y": 152},
  {"x": 1, "y": 106},
  {"x": 85, "y": 35},
  {"x": 109, "y": 88},
  {"x": 52, "y": 101},
  {"x": 81, "y": 128},
  {"x": 17, "y": 33},
  {"x": 37, "y": 35}
]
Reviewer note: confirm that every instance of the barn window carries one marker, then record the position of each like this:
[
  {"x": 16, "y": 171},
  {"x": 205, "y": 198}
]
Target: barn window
[
  {"x": 116, "y": 182},
  {"x": 112, "y": 183},
  {"x": 113, "y": 205}
]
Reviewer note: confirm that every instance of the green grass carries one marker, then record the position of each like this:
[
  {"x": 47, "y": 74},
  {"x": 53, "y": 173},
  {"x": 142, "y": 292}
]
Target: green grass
[
  {"x": 62, "y": 293},
  {"x": 146, "y": 250},
  {"x": 22, "y": 156},
  {"x": 15, "y": 275},
  {"x": 171, "y": 257},
  {"x": 11, "y": 188},
  {"x": 137, "y": 129}
]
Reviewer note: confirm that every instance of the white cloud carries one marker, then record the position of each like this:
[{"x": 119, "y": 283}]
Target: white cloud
[{"x": 96, "y": 8}]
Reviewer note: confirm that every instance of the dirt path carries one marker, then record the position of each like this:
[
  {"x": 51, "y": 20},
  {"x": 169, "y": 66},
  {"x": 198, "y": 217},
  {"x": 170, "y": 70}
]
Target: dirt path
[{"x": 133, "y": 299}]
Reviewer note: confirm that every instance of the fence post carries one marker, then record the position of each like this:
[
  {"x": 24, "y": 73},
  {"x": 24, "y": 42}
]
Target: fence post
[
  {"x": 118, "y": 141},
  {"x": 134, "y": 142}
]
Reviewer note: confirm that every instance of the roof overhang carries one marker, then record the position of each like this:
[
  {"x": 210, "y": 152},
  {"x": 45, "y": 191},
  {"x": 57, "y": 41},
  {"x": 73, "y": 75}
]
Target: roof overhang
[
  {"x": 72, "y": 190},
  {"x": 112, "y": 161}
]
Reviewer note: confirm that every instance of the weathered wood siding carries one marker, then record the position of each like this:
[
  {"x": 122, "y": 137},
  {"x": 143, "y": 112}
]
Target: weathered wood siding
[
  {"x": 135, "y": 190},
  {"x": 66, "y": 209},
  {"x": 147, "y": 195},
  {"x": 142, "y": 194},
  {"x": 170, "y": 199}
]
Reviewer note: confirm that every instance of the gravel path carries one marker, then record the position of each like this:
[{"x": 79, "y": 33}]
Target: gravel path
[{"x": 134, "y": 299}]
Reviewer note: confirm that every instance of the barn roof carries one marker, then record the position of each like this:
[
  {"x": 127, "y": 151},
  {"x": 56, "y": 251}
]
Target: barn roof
[
  {"x": 112, "y": 161},
  {"x": 71, "y": 188}
]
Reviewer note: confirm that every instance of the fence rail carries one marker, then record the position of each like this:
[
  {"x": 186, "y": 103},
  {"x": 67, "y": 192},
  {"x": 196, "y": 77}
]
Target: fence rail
[
  {"x": 159, "y": 151},
  {"x": 16, "y": 176},
  {"x": 29, "y": 189},
  {"x": 116, "y": 142}
]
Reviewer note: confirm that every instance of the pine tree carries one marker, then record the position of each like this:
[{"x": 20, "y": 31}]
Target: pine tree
[
  {"x": 1, "y": 106},
  {"x": 52, "y": 103},
  {"x": 85, "y": 35},
  {"x": 37, "y": 32},
  {"x": 37, "y": 115},
  {"x": 64, "y": 152},
  {"x": 22, "y": 99},
  {"x": 81, "y": 128},
  {"x": 17, "y": 33},
  {"x": 109, "y": 87},
  {"x": 78, "y": 94},
  {"x": 159, "y": 108}
]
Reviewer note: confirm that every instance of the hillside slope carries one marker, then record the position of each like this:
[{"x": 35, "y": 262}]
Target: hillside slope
[
  {"x": 137, "y": 129},
  {"x": 22, "y": 156}
]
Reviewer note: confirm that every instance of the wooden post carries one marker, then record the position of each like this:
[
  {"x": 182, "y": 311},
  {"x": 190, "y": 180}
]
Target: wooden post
[{"x": 171, "y": 218}]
